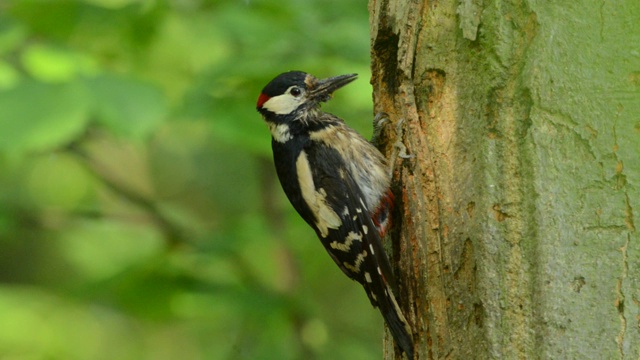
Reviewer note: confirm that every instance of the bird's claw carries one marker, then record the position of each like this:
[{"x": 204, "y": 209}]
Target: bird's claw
[{"x": 402, "y": 148}]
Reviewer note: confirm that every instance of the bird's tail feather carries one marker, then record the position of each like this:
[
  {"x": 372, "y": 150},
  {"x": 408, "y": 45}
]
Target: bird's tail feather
[{"x": 396, "y": 322}]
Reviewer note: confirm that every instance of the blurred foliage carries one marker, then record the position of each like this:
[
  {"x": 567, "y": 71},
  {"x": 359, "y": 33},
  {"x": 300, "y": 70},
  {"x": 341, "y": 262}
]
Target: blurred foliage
[{"x": 140, "y": 217}]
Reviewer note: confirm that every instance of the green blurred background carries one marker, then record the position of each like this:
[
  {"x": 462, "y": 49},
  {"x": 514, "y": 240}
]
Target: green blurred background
[{"x": 140, "y": 216}]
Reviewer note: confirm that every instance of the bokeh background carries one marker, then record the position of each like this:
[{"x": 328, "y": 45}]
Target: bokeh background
[{"x": 140, "y": 215}]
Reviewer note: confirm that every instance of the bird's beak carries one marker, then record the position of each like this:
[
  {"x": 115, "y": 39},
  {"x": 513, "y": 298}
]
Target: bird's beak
[{"x": 325, "y": 87}]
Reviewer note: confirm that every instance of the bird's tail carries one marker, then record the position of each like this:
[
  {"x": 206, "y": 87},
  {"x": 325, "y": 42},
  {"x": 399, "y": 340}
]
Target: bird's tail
[{"x": 396, "y": 321}]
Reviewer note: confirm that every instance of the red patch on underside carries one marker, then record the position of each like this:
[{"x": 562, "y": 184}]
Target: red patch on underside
[
  {"x": 263, "y": 98},
  {"x": 382, "y": 217}
]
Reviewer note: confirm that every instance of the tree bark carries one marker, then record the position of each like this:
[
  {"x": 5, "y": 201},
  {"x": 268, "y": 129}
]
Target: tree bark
[{"x": 521, "y": 119}]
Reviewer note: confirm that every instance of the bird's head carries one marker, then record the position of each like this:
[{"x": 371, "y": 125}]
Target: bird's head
[{"x": 296, "y": 93}]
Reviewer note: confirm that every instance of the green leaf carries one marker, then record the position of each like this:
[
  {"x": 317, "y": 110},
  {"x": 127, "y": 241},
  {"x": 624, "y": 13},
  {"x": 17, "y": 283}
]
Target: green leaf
[
  {"x": 113, "y": 4},
  {"x": 99, "y": 250},
  {"x": 127, "y": 106},
  {"x": 56, "y": 64},
  {"x": 36, "y": 116},
  {"x": 57, "y": 182},
  {"x": 12, "y": 34},
  {"x": 9, "y": 76}
]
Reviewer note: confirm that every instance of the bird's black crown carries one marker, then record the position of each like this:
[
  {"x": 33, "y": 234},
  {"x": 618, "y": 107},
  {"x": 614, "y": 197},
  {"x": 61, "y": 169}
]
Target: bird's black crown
[{"x": 282, "y": 82}]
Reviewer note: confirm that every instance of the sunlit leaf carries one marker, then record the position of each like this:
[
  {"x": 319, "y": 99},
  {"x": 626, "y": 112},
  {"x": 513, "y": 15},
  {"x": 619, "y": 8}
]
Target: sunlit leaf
[
  {"x": 55, "y": 64},
  {"x": 114, "y": 4}
]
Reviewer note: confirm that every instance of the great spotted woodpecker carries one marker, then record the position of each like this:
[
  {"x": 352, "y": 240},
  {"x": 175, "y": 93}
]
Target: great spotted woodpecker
[{"x": 338, "y": 182}]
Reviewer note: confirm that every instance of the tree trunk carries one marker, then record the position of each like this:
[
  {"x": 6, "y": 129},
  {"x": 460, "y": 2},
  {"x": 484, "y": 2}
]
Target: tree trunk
[{"x": 516, "y": 205}]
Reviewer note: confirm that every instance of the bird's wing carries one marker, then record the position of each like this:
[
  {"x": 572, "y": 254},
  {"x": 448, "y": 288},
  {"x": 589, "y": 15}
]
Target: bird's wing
[{"x": 343, "y": 220}]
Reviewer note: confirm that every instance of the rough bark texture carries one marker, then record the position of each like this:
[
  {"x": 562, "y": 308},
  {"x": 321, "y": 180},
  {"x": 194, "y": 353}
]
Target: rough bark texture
[{"x": 517, "y": 207}]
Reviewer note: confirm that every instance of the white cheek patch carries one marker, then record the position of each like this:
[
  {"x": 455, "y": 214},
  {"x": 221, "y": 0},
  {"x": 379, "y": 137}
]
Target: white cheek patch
[{"x": 282, "y": 104}]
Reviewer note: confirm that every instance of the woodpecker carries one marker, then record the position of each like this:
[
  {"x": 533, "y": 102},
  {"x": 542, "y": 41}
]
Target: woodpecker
[{"x": 338, "y": 182}]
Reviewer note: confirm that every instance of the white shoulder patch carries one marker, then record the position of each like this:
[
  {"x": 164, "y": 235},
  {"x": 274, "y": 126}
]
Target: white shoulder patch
[{"x": 326, "y": 218}]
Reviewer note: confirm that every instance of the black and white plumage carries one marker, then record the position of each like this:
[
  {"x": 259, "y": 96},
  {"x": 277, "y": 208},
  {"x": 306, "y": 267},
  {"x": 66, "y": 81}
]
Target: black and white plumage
[{"x": 338, "y": 182}]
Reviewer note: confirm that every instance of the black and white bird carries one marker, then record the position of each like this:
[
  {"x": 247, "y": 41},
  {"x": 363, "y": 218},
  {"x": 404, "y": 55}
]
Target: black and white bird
[{"x": 338, "y": 182}]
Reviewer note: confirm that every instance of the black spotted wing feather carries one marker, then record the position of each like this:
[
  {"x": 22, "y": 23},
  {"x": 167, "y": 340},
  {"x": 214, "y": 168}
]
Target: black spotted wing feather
[{"x": 355, "y": 246}]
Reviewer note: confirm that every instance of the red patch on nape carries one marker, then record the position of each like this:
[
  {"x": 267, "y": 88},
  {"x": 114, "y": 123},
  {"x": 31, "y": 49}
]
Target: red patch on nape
[{"x": 263, "y": 98}]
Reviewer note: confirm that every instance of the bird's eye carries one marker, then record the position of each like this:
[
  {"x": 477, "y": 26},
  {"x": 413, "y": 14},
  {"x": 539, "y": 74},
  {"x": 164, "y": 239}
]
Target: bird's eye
[{"x": 295, "y": 91}]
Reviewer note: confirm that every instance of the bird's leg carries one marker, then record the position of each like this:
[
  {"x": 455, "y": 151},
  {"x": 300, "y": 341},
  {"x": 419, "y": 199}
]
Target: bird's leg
[
  {"x": 399, "y": 145},
  {"x": 381, "y": 124}
]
